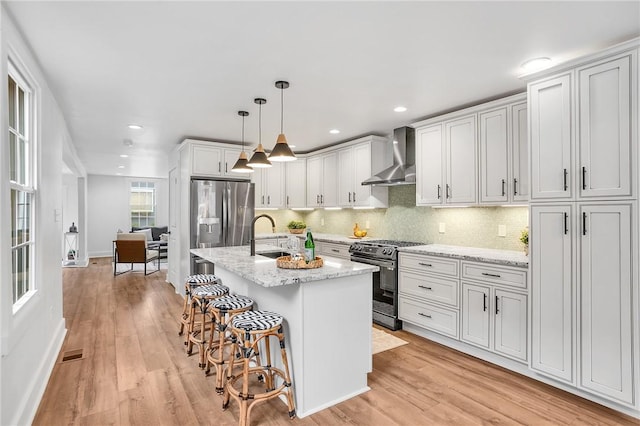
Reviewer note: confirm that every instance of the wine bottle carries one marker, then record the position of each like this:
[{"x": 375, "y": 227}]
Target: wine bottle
[{"x": 309, "y": 247}]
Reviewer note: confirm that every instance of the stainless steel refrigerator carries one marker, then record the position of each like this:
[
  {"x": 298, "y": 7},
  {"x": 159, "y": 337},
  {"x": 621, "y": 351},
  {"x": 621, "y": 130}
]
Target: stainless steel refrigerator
[{"x": 221, "y": 215}]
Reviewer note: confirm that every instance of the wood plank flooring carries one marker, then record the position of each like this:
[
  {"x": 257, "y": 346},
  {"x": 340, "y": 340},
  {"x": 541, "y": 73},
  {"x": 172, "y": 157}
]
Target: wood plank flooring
[{"x": 134, "y": 371}]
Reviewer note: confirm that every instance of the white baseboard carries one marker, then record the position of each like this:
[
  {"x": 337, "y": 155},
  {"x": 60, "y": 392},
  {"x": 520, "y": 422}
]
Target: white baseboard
[{"x": 29, "y": 406}]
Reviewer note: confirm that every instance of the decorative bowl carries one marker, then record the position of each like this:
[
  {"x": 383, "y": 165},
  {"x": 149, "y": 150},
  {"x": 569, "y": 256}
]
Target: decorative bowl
[
  {"x": 285, "y": 262},
  {"x": 297, "y": 231}
]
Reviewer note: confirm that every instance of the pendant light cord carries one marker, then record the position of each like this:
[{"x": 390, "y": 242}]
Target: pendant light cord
[
  {"x": 281, "y": 108},
  {"x": 243, "y": 133},
  {"x": 260, "y": 124}
]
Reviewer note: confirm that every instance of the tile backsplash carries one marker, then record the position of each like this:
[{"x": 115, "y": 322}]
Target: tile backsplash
[{"x": 471, "y": 226}]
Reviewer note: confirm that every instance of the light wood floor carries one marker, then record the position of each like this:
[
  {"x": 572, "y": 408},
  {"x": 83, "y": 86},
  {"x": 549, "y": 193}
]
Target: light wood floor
[{"x": 134, "y": 371}]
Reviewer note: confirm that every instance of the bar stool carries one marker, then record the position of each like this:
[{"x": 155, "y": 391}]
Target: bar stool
[
  {"x": 222, "y": 310},
  {"x": 190, "y": 283},
  {"x": 200, "y": 298},
  {"x": 250, "y": 329}
]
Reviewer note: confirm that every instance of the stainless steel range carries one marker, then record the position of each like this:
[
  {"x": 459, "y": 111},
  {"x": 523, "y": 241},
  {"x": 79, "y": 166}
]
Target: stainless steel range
[{"x": 382, "y": 253}]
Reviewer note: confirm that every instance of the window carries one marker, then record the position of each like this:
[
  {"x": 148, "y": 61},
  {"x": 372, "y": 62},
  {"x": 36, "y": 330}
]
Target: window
[
  {"x": 142, "y": 203},
  {"x": 22, "y": 172}
]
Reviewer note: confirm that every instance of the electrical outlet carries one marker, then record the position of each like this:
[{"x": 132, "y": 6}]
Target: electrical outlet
[
  {"x": 441, "y": 228},
  {"x": 367, "y": 225},
  {"x": 322, "y": 221},
  {"x": 502, "y": 230}
]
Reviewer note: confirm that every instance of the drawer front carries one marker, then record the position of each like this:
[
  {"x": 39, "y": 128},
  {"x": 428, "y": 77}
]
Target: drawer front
[
  {"x": 336, "y": 250},
  {"x": 434, "y": 318},
  {"x": 495, "y": 274},
  {"x": 429, "y": 287},
  {"x": 429, "y": 264}
]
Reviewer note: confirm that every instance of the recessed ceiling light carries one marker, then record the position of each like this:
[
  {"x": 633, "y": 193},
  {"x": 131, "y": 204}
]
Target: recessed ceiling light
[
  {"x": 124, "y": 156},
  {"x": 135, "y": 126},
  {"x": 121, "y": 167},
  {"x": 536, "y": 64},
  {"x": 334, "y": 131},
  {"x": 400, "y": 109},
  {"x": 291, "y": 146}
]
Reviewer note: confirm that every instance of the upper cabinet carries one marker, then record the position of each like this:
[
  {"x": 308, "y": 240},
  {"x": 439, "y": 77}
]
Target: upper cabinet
[
  {"x": 322, "y": 180},
  {"x": 270, "y": 186},
  {"x": 211, "y": 159},
  {"x": 295, "y": 183},
  {"x": 580, "y": 132},
  {"x": 357, "y": 163},
  {"x": 476, "y": 155}
]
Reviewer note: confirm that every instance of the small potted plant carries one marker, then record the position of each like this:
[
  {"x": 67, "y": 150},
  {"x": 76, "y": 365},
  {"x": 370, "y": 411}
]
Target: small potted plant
[
  {"x": 296, "y": 226},
  {"x": 524, "y": 238}
]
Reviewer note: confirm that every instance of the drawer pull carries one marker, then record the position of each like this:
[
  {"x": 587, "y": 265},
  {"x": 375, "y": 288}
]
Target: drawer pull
[
  {"x": 425, "y": 287},
  {"x": 425, "y": 264},
  {"x": 424, "y": 315},
  {"x": 335, "y": 250},
  {"x": 486, "y": 274}
]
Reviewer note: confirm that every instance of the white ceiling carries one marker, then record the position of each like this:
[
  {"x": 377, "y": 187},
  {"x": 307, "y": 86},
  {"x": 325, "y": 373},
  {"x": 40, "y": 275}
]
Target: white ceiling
[{"x": 184, "y": 69}]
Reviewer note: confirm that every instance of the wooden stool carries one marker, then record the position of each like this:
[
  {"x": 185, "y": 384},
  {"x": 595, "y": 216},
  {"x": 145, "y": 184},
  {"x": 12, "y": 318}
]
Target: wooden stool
[
  {"x": 222, "y": 310},
  {"x": 191, "y": 282},
  {"x": 250, "y": 329},
  {"x": 200, "y": 298}
]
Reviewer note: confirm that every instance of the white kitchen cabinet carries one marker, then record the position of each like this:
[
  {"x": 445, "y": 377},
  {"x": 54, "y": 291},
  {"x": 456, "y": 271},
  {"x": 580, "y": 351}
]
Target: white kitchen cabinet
[
  {"x": 333, "y": 249},
  {"x": 476, "y": 317},
  {"x": 356, "y": 164},
  {"x": 552, "y": 270},
  {"x": 296, "y": 183},
  {"x": 604, "y": 110},
  {"x": 210, "y": 159},
  {"x": 429, "y": 165},
  {"x": 461, "y": 155},
  {"x": 270, "y": 186},
  {"x": 605, "y": 295},
  {"x": 494, "y": 156},
  {"x": 322, "y": 180},
  {"x": 510, "y": 324},
  {"x": 551, "y": 135},
  {"x": 519, "y": 153}
]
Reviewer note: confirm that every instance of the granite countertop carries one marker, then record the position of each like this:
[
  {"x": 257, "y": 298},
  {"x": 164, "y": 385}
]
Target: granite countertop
[
  {"x": 333, "y": 238},
  {"x": 263, "y": 270},
  {"x": 499, "y": 257}
]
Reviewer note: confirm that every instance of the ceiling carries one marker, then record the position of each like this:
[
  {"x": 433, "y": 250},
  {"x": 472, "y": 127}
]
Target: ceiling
[{"x": 184, "y": 69}]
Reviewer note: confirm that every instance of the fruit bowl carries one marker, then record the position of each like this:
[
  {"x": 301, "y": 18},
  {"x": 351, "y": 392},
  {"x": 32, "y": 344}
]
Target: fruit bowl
[{"x": 361, "y": 233}]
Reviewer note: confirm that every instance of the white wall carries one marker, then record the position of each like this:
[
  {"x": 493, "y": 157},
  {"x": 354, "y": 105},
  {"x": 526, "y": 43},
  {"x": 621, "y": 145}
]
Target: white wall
[
  {"x": 108, "y": 209},
  {"x": 30, "y": 338}
]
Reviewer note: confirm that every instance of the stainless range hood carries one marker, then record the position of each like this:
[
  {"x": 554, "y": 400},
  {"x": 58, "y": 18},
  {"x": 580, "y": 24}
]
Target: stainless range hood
[{"x": 403, "y": 170}]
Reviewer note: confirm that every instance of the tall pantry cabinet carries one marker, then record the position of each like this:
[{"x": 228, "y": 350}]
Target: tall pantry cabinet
[{"x": 583, "y": 129}]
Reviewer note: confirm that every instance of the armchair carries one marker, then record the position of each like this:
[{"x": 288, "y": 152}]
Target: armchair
[{"x": 132, "y": 248}]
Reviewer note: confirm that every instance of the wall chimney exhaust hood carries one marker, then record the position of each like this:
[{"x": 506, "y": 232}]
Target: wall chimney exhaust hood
[{"x": 403, "y": 170}]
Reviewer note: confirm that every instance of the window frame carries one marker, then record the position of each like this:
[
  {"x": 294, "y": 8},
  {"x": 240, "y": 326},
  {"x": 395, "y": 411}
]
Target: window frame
[
  {"x": 149, "y": 184},
  {"x": 16, "y": 73}
]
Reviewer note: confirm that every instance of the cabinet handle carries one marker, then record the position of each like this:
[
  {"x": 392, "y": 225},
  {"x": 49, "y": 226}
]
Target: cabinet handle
[
  {"x": 565, "y": 179},
  {"x": 425, "y": 287},
  {"x": 268, "y": 199},
  {"x": 219, "y": 167},
  {"x": 287, "y": 200},
  {"x": 584, "y": 223},
  {"x": 335, "y": 250},
  {"x": 424, "y": 315},
  {"x": 425, "y": 264},
  {"x": 566, "y": 224},
  {"x": 503, "y": 190},
  {"x": 515, "y": 186},
  {"x": 497, "y": 310},
  {"x": 321, "y": 198},
  {"x": 439, "y": 188},
  {"x": 448, "y": 189},
  {"x": 349, "y": 196},
  {"x": 354, "y": 197},
  {"x": 262, "y": 200},
  {"x": 584, "y": 178},
  {"x": 317, "y": 199},
  {"x": 226, "y": 167},
  {"x": 486, "y": 274},
  {"x": 484, "y": 303}
]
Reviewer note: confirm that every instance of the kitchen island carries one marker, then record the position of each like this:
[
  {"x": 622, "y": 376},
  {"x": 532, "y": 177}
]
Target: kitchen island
[{"x": 327, "y": 315}]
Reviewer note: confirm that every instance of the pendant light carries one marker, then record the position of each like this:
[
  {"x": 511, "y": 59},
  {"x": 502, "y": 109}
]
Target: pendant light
[
  {"x": 241, "y": 164},
  {"x": 259, "y": 158},
  {"x": 282, "y": 151}
]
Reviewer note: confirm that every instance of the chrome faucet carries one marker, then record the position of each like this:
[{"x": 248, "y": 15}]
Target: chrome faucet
[{"x": 253, "y": 231}]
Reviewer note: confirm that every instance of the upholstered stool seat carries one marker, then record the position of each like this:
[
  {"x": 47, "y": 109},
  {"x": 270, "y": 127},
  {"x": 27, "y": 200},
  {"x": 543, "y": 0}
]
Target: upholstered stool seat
[
  {"x": 190, "y": 283},
  {"x": 200, "y": 298},
  {"x": 253, "y": 330},
  {"x": 221, "y": 311}
]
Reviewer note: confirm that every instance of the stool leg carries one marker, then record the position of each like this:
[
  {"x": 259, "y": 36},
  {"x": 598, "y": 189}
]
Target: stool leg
[
  {"x": 285, "y": 361},
  {"x": 235, "y": 352},
  {"x": 185, "y": 309},
  {"x": 191, "y": 326}
]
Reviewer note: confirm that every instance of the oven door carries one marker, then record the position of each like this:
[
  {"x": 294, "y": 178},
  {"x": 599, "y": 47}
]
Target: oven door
[{"x": 384, "y": 289}]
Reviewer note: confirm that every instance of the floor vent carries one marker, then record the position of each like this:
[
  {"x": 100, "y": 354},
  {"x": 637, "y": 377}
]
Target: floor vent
[{"x": 71, "y": 355}]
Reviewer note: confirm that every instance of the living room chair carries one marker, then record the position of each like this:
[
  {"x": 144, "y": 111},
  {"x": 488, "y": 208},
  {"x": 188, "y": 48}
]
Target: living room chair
[{"x": 132, "y": 248}]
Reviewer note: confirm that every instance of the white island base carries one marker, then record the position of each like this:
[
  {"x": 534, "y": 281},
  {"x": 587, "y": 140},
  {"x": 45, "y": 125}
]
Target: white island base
[{"x": 328, "y": 331}]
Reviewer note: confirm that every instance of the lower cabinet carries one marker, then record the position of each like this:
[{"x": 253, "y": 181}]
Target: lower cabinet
[{"x": 429, "y": 316}]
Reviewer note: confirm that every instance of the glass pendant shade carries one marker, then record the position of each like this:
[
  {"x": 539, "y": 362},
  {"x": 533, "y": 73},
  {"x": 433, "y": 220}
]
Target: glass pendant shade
[
  {"x": 241, "y": 165},
  {"x": 259, "y": 158},
  {"x": 282, "y": 151}
]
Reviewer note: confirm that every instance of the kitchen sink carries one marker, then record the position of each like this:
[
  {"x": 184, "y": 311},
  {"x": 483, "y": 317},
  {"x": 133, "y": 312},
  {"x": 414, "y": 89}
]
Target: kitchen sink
[{"x": 274, "y": 254}]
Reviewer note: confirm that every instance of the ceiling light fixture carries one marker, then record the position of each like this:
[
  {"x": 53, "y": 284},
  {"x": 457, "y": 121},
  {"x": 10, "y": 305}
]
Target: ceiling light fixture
[
  {"x": 121, "y": 167},
  {"x": 135, "y": 126},
  {"x": 124, "y": 156},
  {"x": 241, "y": 165},
  {"x": 334, "y": 131},
  {"x": 536, "y": 64},
  {"x": 400, "y": 109},
  {"x": 259, "y": 158},
  {"x": 282, "y": 151}
]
